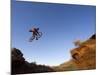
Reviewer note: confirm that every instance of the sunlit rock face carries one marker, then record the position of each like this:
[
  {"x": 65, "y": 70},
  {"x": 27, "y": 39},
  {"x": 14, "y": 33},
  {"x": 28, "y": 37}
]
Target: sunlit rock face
[{"x": 84, "y": 56}]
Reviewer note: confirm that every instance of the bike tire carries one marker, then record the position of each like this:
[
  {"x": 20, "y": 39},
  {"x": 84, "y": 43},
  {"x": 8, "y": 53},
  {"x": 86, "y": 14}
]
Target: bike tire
[
  {"x": 31, "y": 39},
  {"x": 40, "y": 34}
]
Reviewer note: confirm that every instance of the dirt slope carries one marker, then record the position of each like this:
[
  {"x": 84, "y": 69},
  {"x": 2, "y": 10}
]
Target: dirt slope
[{"x": 83, "y": 57}]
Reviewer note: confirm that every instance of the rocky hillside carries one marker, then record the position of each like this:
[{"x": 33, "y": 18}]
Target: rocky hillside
[
  {"x": 83, "y": 57},
  {"x": 20, "y": 66}
]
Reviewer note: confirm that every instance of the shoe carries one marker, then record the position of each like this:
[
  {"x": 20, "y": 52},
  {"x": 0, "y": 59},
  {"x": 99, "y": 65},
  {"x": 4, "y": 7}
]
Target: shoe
[{"x": 36, "y": 38}]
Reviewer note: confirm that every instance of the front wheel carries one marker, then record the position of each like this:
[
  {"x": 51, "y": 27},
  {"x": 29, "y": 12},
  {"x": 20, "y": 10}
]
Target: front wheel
[{"x": 39, "y": 35}]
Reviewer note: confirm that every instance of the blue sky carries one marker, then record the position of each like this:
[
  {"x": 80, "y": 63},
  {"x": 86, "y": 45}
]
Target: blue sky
[{"x": 61, "y": 25}]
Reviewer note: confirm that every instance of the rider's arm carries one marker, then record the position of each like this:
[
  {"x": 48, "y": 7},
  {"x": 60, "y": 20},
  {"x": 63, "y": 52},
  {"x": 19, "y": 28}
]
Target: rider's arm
[{"x": 30, "y": 30}]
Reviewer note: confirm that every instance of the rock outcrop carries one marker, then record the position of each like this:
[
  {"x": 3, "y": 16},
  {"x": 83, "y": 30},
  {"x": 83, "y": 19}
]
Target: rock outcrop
[
  {"x": 93, "y": 36},
  {"x": 83, "y": 57},
  {"x": 20, "y": 66}
]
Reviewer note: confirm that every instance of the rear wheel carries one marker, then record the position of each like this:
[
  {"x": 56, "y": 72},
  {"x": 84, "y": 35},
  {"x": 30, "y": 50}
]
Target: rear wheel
[{"x": 32, "y": 38}]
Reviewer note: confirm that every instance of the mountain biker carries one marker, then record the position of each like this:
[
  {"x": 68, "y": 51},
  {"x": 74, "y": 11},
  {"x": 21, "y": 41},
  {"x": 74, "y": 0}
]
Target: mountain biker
[{"x": 34, "y": 32}]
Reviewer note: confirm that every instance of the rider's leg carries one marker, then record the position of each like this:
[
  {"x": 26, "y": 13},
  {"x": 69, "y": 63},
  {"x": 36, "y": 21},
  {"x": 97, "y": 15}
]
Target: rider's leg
[
  {"x": 37, "y": 33},
  {"x": 36, "y": 37}
]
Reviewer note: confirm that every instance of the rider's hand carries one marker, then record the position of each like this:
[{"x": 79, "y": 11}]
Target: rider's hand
[{"x": 30, "y": 30}]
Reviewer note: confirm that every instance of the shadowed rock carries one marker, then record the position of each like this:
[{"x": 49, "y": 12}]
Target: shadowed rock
[
  {"x": 93, "y": 36},
  {"x": 20, "y": 66}
]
